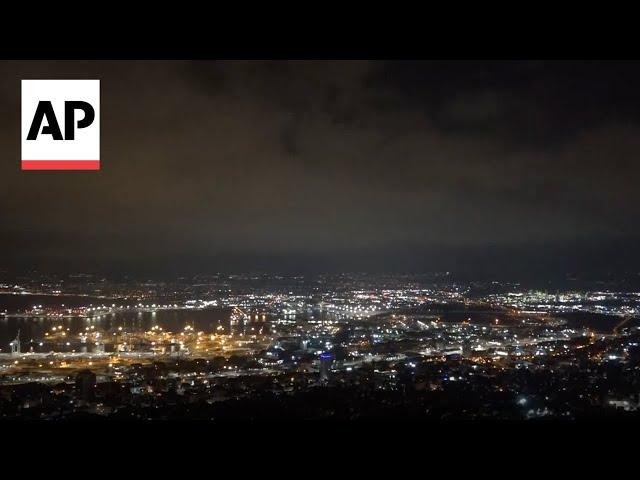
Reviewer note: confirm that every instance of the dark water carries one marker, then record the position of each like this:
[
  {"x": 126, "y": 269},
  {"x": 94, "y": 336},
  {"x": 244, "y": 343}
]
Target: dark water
[
  {"x": 486, "y": 316},
  {"x": 597, "y": 322},
  {"x": 170, "y": 320},
  {"x": 458, "y": 312},
  {"x": 14, "y": 303}
]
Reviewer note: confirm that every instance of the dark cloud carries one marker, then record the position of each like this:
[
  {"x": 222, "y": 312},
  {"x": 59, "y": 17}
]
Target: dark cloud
[
  {"x": 208, "y": 163},
  {"x": 538, "y": 104}
]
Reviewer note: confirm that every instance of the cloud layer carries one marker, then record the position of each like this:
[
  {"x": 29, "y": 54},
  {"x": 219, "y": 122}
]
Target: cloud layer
[{"x": 203, "y": 160}]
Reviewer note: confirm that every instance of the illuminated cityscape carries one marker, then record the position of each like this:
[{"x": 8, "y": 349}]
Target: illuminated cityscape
[{"x": 344, "y": 347}]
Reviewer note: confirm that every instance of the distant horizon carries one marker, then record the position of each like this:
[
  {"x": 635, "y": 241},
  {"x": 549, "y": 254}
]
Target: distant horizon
[{"x": 585, "y": 259}]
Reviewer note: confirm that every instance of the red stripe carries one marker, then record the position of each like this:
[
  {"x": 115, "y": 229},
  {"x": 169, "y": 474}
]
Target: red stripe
[{"x": 60, "y": 164}]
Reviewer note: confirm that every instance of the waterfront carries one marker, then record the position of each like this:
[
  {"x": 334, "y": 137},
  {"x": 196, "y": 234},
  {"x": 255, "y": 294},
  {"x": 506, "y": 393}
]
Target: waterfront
[{"x": 112, "y": 349}]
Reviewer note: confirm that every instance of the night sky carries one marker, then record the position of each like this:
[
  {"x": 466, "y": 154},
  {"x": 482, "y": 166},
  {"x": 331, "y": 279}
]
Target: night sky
[{"x": 471, "y": 166}]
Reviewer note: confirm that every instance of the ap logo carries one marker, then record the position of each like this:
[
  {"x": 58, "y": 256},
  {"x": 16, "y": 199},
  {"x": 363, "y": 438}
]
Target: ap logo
[{"x": 60, "y": 124}]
